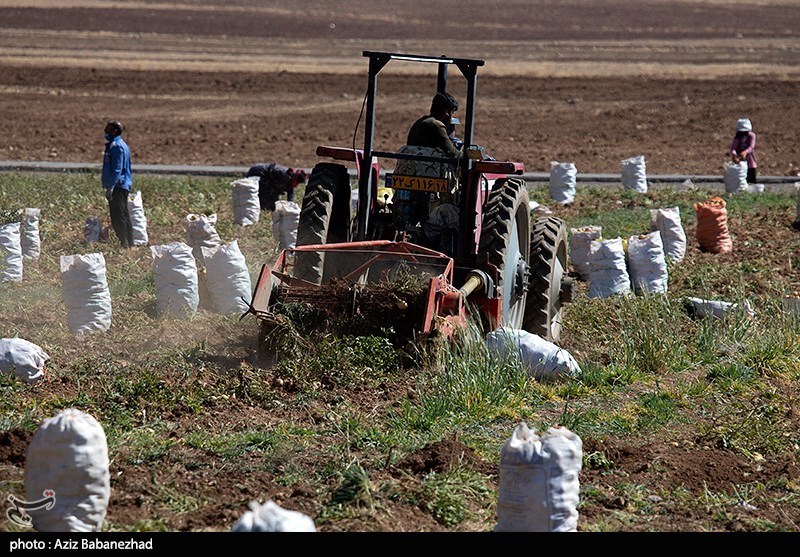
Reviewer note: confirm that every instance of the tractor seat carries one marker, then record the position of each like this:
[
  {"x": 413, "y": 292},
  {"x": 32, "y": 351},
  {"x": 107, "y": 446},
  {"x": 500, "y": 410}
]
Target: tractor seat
[{"x": 423, "y": 168}]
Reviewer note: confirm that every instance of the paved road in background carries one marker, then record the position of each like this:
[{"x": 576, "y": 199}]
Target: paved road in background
[{"x": 771, "y": 183}]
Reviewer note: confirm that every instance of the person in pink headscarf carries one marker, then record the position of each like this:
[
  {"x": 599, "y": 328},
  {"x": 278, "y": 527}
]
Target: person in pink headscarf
[{"x": 743, "y": 147}]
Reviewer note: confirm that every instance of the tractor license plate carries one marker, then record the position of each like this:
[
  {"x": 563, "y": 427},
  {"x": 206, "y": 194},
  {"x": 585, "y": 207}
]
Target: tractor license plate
[{"x": 419, "y": 183}]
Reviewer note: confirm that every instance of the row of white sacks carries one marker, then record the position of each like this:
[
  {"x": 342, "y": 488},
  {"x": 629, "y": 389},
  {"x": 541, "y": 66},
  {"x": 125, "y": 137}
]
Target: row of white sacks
[
  {"x": 564, "y": 175},
  {"x": 246, "y": 212},
  {"x": 202, "y": 273},
  {"x": 21, "y": 241},
  {"x": 67, "y": 462},
  {"x": 610, "y": 267},
  {"x": 221, "y": 284},
  {"x": 244, "y": 198}
]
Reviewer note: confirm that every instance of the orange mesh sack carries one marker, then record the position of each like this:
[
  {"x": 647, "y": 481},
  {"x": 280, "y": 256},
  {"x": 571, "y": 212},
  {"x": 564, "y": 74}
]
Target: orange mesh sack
[{"x": 712, "y": 226}]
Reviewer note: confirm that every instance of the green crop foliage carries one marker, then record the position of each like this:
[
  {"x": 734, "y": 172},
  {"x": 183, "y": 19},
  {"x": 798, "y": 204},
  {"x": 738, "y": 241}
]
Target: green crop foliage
[{"x": 344, "y": 422}]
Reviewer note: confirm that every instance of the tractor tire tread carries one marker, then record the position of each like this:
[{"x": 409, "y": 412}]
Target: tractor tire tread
[
  {"x": 548, "y": 240},
  {"x": 316, "y": 224},
  {"x": 505, "y": 202}
]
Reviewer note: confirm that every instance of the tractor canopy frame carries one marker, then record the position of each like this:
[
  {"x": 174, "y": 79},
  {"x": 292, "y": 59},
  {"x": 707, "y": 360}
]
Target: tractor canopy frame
[{"x": 469, "y": 69}]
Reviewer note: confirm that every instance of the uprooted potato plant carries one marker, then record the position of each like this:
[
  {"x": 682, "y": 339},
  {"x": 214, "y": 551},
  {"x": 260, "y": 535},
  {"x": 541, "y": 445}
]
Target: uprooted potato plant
[{"x": 390, "y": 306}]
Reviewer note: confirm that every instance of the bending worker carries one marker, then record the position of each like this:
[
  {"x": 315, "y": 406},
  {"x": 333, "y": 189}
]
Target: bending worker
[
  {"x": 275, "y": 180},
  {"x": 743, "y": 147}
]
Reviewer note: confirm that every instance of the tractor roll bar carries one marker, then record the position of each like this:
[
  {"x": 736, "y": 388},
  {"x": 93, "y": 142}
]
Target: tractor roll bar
[{"x": 377, "y": 61}]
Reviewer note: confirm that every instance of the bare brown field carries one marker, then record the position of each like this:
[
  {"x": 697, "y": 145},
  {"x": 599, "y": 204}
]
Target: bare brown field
[
  {"x": 237, "y": 83},
  {"x": 240, "y": 83}
]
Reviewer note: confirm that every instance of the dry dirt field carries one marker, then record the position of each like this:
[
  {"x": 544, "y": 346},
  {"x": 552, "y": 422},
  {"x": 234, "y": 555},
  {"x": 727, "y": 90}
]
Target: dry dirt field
[{"x": 238, "y": 82}]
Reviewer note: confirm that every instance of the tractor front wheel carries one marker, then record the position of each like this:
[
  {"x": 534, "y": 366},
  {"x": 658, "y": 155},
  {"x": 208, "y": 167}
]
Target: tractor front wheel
[
  {"x": 505, "y": 239},
  {"x": 544, "y": 310}
]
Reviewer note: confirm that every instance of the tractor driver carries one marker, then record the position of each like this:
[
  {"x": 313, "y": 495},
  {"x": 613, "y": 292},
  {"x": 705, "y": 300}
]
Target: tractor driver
[{"x": 434, "y": 129}]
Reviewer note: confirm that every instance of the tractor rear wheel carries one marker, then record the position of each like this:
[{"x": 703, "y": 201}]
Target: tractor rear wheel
[
  {"x": 544, "y": 310},
  {"x": 324, "y": 218},
  {"x": 505, "y": 239}
]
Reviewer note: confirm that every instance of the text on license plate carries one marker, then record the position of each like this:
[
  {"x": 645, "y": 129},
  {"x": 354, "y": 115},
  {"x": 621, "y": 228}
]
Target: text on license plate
[{"x": 419, "y": 183}]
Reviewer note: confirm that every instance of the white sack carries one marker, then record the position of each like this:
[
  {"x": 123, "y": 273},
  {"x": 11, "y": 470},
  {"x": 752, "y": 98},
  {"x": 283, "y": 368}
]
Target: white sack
[
  {"x": 717, "y": 308},
  {"x": 668, "y": 222},
  {"x": 579, "y": 243},
  {"x": 138, "y": 219},
  {"x": 10, "y": 252},
  {"x": 537, "y": 210},
  {"x": 539, "y": 487},
  {"x": 68, "y": 455},
  {"x": 797, "y": 202},
  {"x": 23, "y": 359},
  {"x": 735, "y": 176},
  {"x": 563, "y": 180},
  {"x": 791, "y": 305},
  {"x": 285, "y": 219},
  {"x": 175, "y": 276},
  {"x": 29, "y": 233},
  {"x": 541, "y": 358},
  {"x": 85, "y": 292},
  {"x": 201, "y": 231},
  {"x": 92, "y": 230},
  {"x": 246, "y": 206},
  {"x": 202, "y": 289},
  {"x": 647, "y": 264},
  {"x": 271, "y": 517},
  {"x": 227, "y": 278},
  {"x": 634, "y": 174},
  {"x": 608, "y": 270}
]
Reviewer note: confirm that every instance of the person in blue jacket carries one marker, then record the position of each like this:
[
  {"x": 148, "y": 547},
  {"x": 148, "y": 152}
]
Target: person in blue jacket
[{"x": 117, "y": 181}]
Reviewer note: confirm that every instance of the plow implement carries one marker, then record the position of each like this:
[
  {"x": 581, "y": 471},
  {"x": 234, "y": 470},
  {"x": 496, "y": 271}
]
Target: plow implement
[{"x": 382, "y": 284}]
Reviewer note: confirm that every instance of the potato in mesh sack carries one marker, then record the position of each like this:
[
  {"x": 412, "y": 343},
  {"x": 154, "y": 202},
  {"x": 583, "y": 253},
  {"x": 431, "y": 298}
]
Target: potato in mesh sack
[{"x": 712, "y": 226}]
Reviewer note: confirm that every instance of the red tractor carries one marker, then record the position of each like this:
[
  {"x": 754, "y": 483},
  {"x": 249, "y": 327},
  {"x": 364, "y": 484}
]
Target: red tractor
[{"x": 461, "y": 227}]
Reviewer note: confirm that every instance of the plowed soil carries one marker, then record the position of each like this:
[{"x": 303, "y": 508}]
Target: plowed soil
[{"x": 237, "y": 83}]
